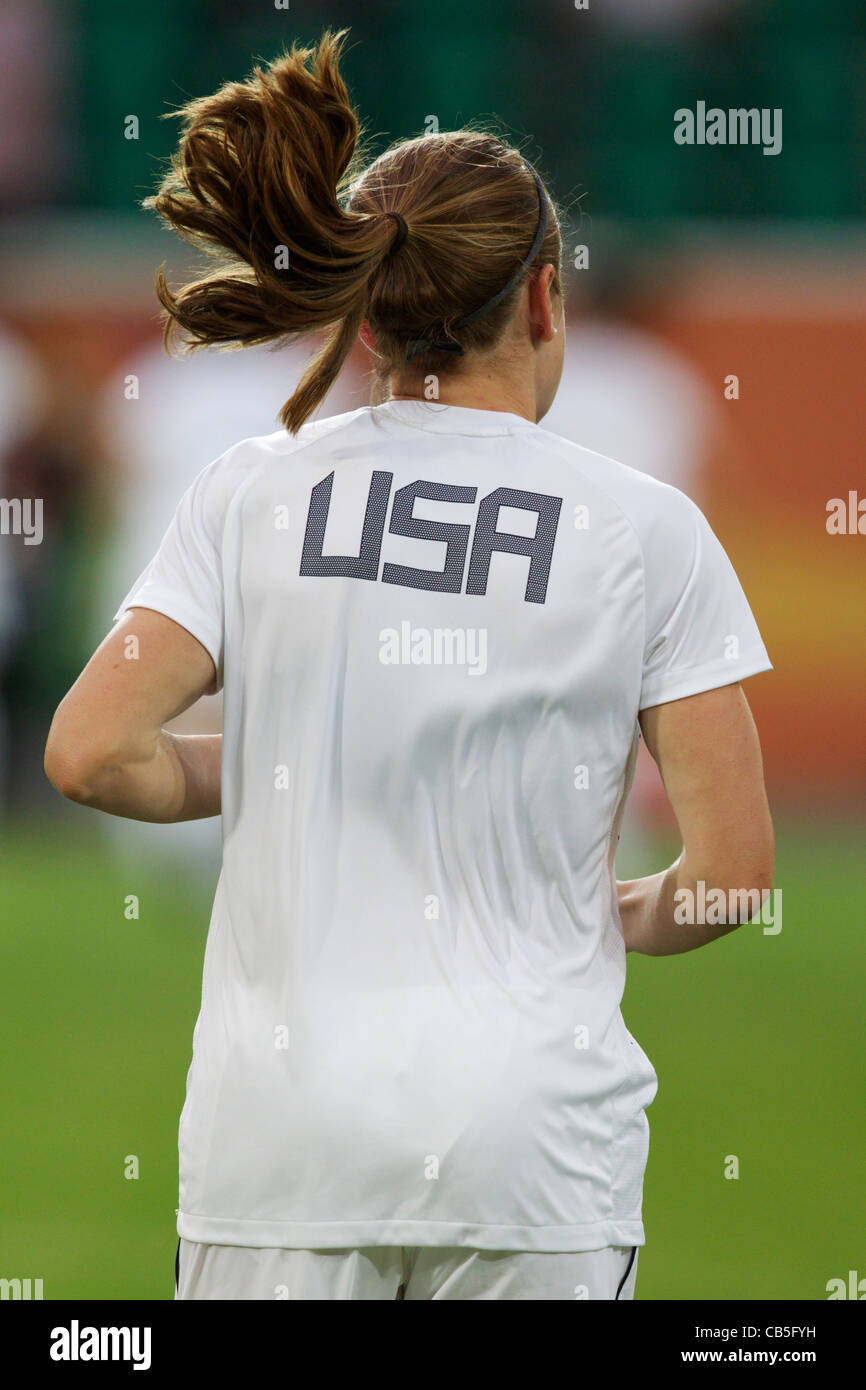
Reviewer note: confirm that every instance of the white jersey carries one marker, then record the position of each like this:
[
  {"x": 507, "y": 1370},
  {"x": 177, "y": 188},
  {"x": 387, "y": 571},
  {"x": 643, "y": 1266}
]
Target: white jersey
[{"x": 435, "y": 627}]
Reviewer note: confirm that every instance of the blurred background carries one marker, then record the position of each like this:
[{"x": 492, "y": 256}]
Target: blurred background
[{"x": 716, "y": 338}]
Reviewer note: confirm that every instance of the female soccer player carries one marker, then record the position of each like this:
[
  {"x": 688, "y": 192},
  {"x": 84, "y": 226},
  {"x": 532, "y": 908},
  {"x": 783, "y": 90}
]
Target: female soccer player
[{"x": 439, "y": 629}]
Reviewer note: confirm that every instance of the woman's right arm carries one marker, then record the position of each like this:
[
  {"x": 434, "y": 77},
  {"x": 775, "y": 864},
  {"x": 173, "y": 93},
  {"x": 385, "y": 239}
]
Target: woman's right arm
[{"x": 707, "y": 750}]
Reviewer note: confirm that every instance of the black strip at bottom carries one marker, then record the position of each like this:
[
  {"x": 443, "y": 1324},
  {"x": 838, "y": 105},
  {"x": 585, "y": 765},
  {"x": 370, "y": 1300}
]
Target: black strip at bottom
[{"x": 628, "y": 1270}]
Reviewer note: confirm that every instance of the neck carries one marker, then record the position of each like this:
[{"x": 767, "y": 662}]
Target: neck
[{"x": 479, "y": 390}]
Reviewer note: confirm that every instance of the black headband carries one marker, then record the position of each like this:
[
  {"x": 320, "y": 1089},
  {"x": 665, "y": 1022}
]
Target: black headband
[{"x": 416, "y": 346}]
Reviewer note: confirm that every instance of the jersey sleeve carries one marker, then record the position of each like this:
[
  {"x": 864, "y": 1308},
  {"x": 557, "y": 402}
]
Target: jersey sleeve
[
  {"x": 184, "y": 579},
  {"x": 700, "y": 632}
]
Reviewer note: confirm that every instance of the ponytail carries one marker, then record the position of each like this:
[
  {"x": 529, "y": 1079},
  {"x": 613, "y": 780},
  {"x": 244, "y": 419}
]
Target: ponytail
[
  {"x": 255, "y": 184},
  {"x": 431, "y": 243}
]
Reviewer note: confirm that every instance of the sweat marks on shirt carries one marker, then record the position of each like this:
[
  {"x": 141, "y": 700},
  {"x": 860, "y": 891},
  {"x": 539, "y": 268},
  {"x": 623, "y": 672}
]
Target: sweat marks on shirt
[{"x": 487, "y": 538}]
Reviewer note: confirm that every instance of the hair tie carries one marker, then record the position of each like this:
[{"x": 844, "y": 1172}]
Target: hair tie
[{"x": 402, "y": 232}]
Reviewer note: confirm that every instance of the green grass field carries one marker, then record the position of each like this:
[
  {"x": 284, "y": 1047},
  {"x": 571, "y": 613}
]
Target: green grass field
[{"x": 757, "y": 1040}]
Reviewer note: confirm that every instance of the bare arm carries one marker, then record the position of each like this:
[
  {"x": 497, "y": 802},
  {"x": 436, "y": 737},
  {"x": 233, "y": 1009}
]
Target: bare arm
[
  {"x": 107, "y": 747},
  {"x": 707, "y": 750}
]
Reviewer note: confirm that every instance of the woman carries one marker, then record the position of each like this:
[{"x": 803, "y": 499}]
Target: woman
[{"x": 439, "y": 629}]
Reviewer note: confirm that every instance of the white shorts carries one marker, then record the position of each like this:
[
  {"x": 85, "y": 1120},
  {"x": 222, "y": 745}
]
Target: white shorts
[{"x": 386, "y": 1272}]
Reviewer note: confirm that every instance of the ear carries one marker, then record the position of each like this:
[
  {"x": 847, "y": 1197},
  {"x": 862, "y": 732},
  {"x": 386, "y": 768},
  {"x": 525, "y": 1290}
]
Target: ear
[
  {"x": 541, "y": 309},
  {"x": 368, "y": 337}
]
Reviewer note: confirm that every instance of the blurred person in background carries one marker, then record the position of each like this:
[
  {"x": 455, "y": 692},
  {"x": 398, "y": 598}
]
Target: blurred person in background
[
  {"x": 23, "y": 395},
  {"x": 162, "y": 419},
  {"x": 627, "y": 394},
  {"x": 35, "y": 151},
  {"x": 51, "y": 454}
]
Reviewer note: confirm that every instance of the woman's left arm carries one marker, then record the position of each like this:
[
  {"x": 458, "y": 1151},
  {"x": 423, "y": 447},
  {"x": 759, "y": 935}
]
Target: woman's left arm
[{"x": 107, "y": 747}]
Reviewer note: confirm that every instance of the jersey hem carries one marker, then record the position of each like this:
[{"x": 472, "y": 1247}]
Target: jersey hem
[
  {"x": 354, "y": 1235},
  {"x": 185, "y": 617},
  {"x": 678, "y": 685}
]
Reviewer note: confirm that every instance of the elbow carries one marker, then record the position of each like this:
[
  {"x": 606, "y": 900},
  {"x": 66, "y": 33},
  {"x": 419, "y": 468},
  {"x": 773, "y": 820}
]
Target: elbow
[
  {"x": 77, "y": 775},
  {"x": 738, "y": 891},
  {"x": 748, "y": 882},
  {"x": 728, "y": 890},
  {"x": 756, "y": 871},
  {"x": 67, "y": 775},
  {"x": 752, "y": 899},
  {"x": 753, "y": 874},
  {"x": 742, "y": 864}
]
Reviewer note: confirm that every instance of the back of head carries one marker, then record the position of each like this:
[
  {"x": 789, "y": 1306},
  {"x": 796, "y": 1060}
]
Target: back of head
[{"x": 268, "y": 180}]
